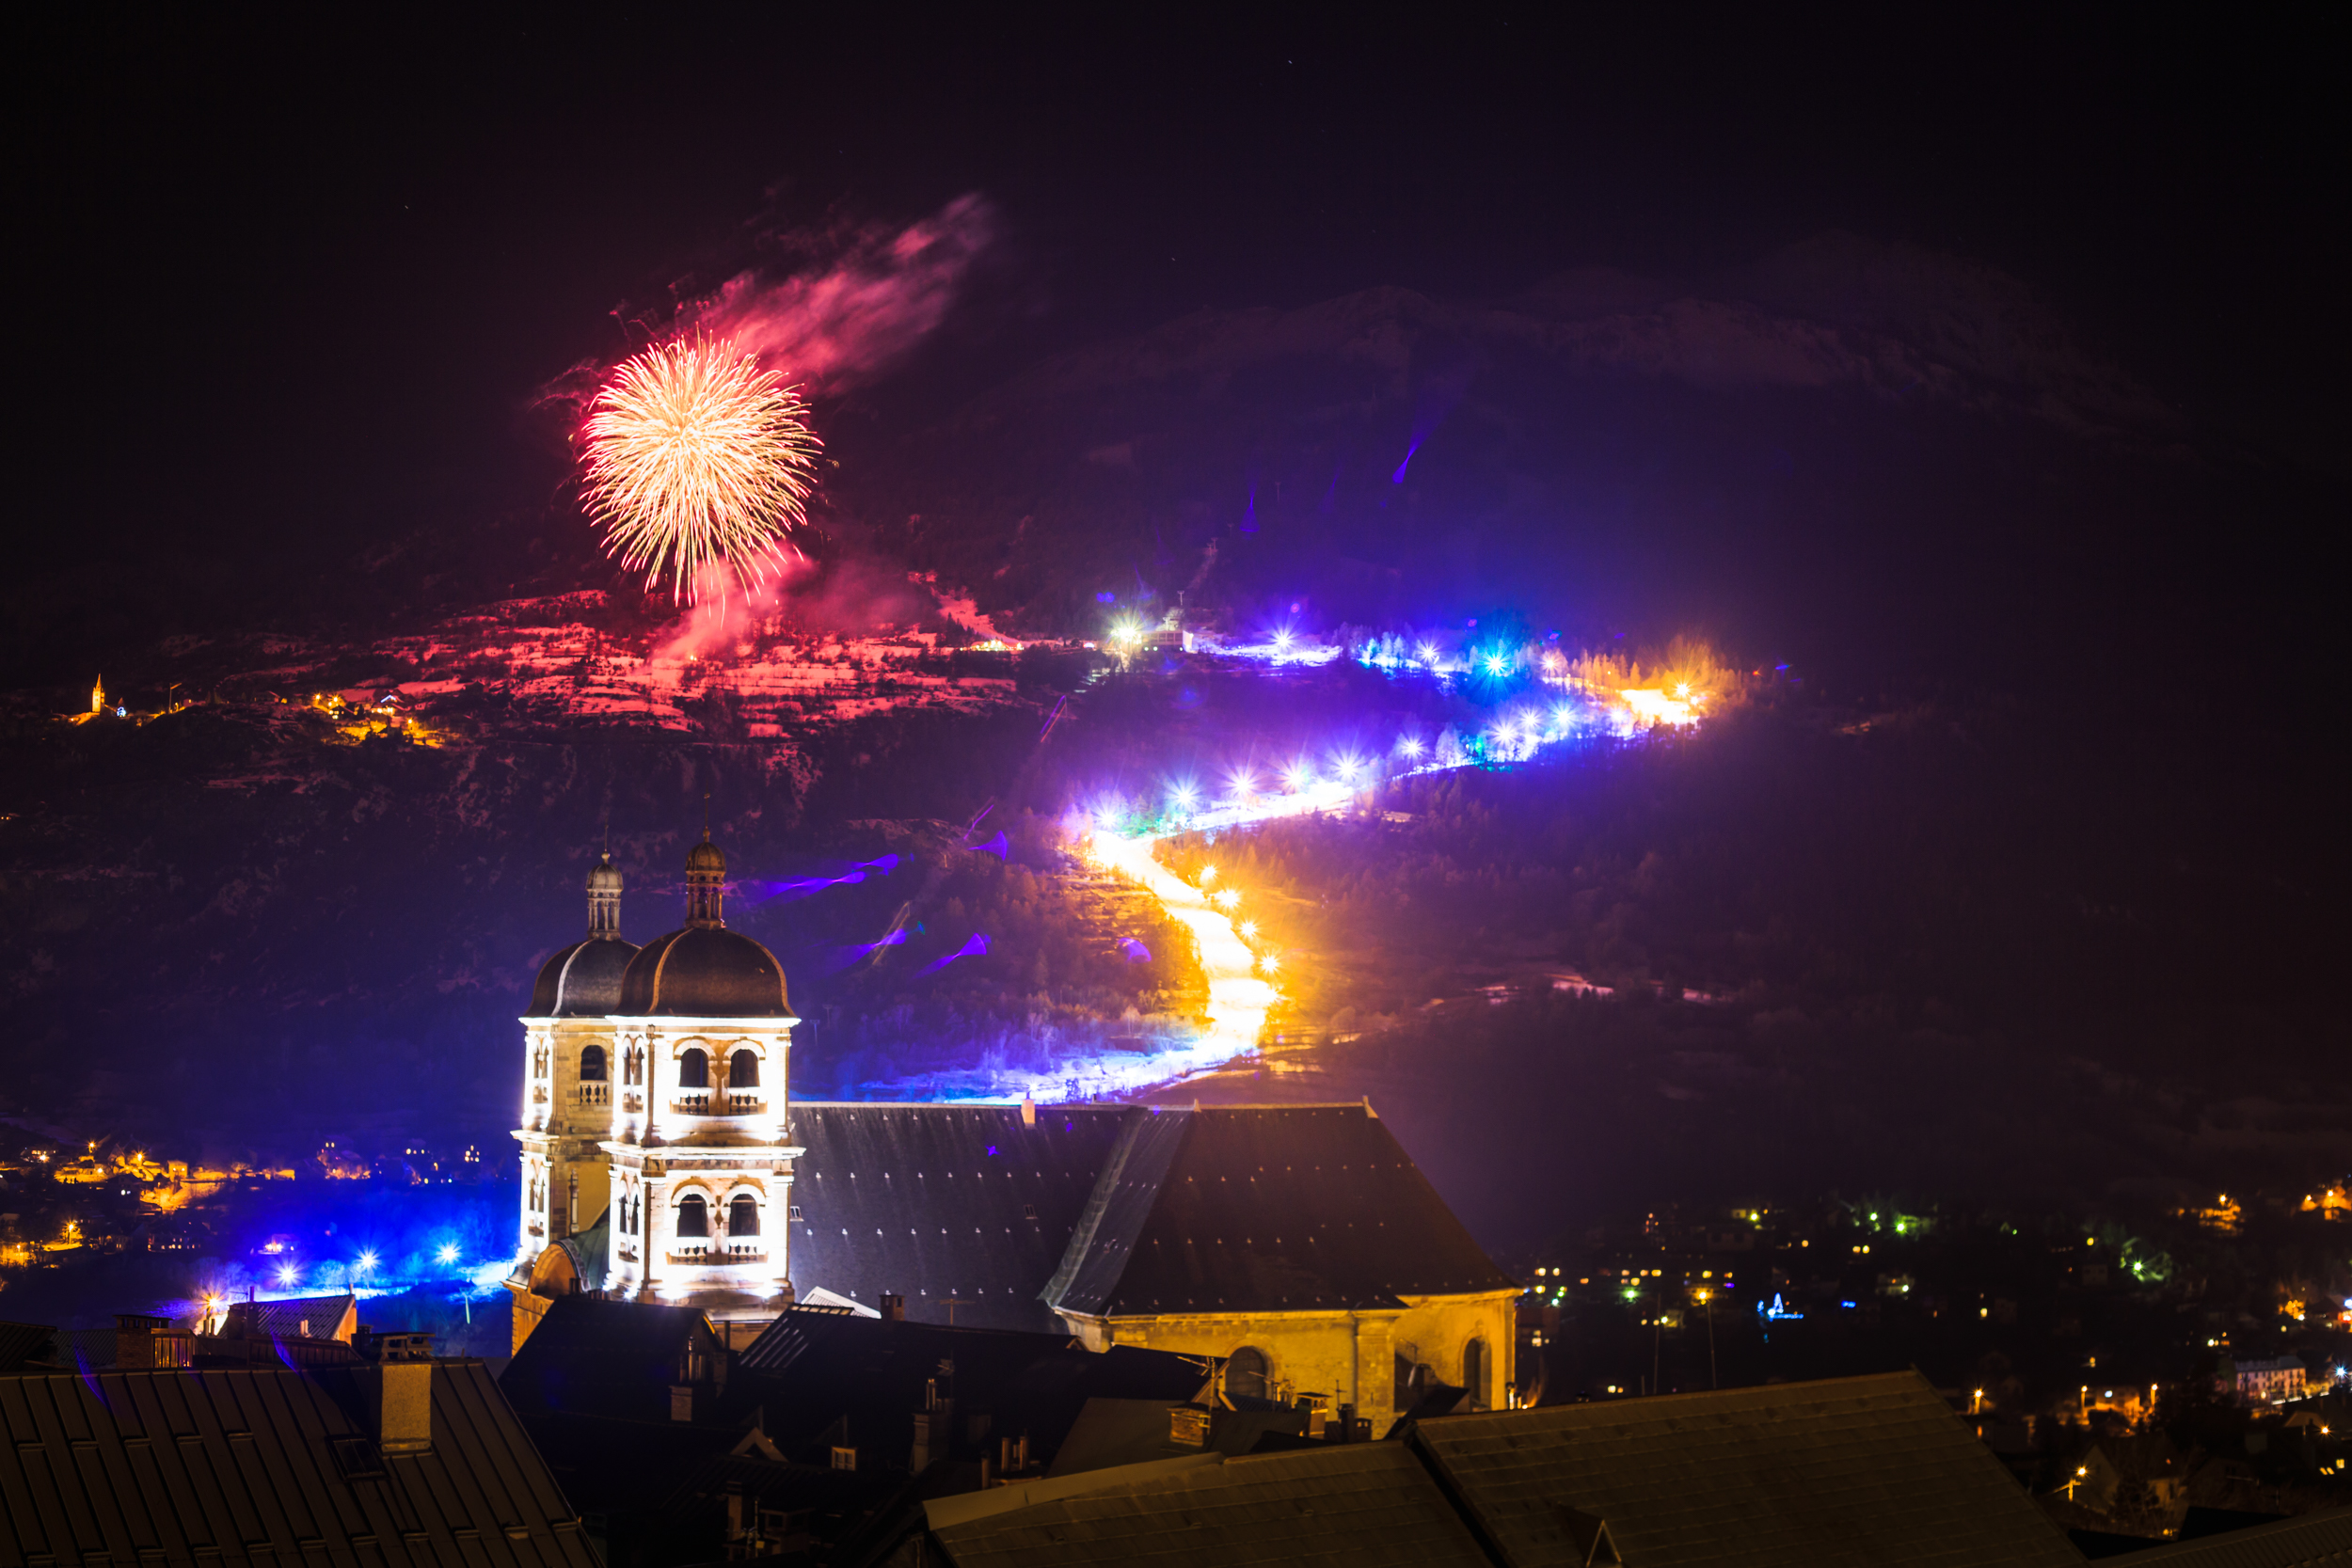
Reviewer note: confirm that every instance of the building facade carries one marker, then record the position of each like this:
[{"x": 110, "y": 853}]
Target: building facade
[
  {"x": 654, "y": 1110},
  {"x": 664, "y": 1162}
]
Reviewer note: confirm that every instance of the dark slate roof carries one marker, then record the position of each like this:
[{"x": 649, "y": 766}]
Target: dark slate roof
[
  {"x": 583, "y": 980},
  {"x": 2322, "y": 1540},
  {"x": 268, "y": 1465},
  {"x": 23, "y": 1342},
  {"x": 1265, "y": 1209},
  {"x": 1363, "y": 1505},
  {"x": 702, "y": 972},
  {"x": 932, "y": 1201},
  {"x": 1115, "y": 1432},
  {"x": 814, "y": 1367},
  {"x": 285, "y": 1319},
  {"x": 1860, "y": 1470},
  {"x": 595, "y": 1357}
]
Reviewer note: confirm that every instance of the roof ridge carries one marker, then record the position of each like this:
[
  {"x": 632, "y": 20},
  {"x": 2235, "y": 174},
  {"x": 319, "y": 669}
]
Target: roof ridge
[
  {"x": 800, "y": 1104},
  {"x": 1624, "y": 1409}
]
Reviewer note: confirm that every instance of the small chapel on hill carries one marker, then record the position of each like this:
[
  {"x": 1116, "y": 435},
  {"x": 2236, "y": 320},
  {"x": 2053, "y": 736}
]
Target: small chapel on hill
[{"x": 664, "y": 1160}]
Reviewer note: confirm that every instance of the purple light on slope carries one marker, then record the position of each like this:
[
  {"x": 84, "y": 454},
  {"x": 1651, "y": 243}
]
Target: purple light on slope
[
  {"x": 1136, "y": 953},
  {"x": 840, "y": 958},
  {"x": 1249, "y": 515},
  {"x": 975, "y": 947},
  {"x": 999, "y": 846},
  {"x": 1398, "y": 477},
  {"x": 806, "y": 886}
]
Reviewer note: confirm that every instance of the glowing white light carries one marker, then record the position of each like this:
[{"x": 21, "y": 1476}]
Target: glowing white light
[
  {"x": 449, "y": 1252},
  {"x": 1495, "y": 664},
  {"x": 1347, "y": 765},
  {"x": 1426, "y": 653},
  {"x": 367, "y": 1262},
  {"x": 1298, "y": 776},
  {"x": 1410, "y": 745},
  {"x": 1249, "y": 929},
  {"x": 1282, "y": 640},
  {"x": 1241, "y": 784},
  {"x": 1208, "y": 875},
  {"x": 288, "y": 1275},
  {"x": 1225, "y": 898},
  {"x": 1269, "y": 963}
]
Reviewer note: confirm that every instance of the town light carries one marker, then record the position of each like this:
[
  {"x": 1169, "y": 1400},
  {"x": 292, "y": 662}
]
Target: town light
[{"x": 449, "y": 1252}]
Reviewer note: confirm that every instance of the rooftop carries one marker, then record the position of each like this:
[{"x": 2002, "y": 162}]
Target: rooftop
[
  {"x": 126, "y": 1467},
  {"x": 1363, "y": 1505},
  {"x": 1861, "y": 1470}
]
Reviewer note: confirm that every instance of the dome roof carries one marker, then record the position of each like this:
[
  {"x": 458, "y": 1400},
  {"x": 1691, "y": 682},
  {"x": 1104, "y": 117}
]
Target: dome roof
[
  {"x": 604, "y": 877},
  {"x": 707, "y": 856},
  {"x": 704, "y": 971},
  {"x": 583, "y": 980}
]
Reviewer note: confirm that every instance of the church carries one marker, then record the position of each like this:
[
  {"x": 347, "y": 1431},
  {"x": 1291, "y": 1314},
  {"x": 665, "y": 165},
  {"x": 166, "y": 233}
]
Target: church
[{"x": 664, "y": 1160}]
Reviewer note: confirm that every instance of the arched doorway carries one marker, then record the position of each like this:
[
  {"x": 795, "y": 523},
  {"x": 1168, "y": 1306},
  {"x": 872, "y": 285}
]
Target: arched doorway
[
  {"x": 1475, "y": 1372},
  {"x": 693, "y": 1217}
]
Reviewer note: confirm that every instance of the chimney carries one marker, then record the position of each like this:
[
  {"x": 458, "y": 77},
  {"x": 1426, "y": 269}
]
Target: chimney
[
  {"x": 135, "y": 1339},
  {"x": 398, "y": 1391},
  {"x": 1028, "y": 1110},
  {"x": 893, "y": 1308}
]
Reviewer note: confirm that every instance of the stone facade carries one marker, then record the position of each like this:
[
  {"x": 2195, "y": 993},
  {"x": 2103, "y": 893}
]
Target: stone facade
[
  {"x": 1341, "y": 1357},
  {"x": 664, "y": 1130}
]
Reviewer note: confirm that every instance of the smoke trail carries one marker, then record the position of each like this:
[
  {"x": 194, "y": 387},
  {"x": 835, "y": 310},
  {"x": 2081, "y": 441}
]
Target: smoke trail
[{"x": 880, "y": 294}]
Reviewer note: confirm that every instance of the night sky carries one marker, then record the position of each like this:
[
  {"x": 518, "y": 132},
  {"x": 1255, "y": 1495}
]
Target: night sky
[
  {"x": 290, "y": 284},
  {"x": 300, "y": 295}
]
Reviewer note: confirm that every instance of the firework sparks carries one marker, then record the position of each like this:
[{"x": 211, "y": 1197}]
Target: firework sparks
[{"x": 696, "y": 457}]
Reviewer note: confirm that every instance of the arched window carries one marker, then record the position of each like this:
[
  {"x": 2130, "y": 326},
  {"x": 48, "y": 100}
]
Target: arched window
[
  {"x": 693, "y": 1217},
  {"x": 592, "y": 1063},
  {"x": 743, "y": 1070},
  {"x": 1245, "y": 1374},
  {"x": 693, "y": 1071},
  {"x": 744, "y": 1215},
  {"x": 1475, "y": 1372}
]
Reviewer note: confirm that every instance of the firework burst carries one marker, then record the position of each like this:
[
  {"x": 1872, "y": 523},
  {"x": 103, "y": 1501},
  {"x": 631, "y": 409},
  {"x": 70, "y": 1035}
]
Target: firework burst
[{"x": 697, "y": 457}]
